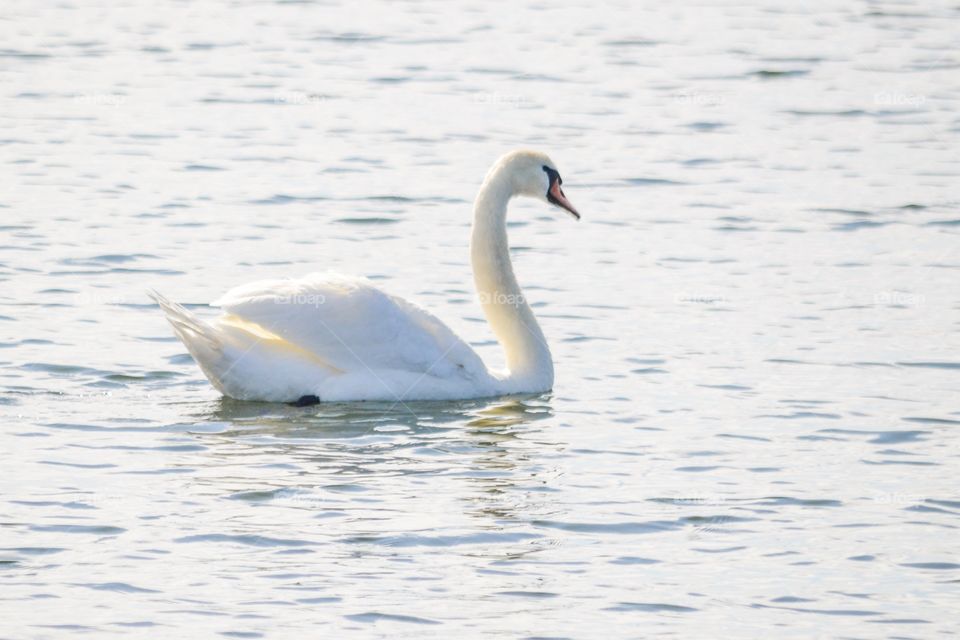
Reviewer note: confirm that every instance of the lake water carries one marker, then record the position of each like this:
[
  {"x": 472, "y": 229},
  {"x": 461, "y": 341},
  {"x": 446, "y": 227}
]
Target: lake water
[{"x": 754, "y": 427}]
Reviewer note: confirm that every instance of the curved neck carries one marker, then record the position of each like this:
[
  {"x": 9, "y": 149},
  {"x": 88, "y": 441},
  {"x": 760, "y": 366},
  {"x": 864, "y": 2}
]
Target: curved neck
[{"x": 528, "y": 356}]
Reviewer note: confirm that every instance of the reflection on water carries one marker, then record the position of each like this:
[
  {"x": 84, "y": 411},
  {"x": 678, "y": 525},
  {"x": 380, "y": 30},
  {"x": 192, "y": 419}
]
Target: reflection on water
[
  {"x": 355, "y": 419},
  {"x": 487, "y": 448}
]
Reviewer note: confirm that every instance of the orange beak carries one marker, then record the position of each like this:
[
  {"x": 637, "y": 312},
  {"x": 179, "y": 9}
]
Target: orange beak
[{"x": 555, "y": 195}]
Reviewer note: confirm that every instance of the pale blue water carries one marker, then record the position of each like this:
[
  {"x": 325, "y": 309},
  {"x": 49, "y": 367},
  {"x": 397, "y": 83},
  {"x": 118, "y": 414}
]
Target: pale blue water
[{"x": 754, "y": 429}]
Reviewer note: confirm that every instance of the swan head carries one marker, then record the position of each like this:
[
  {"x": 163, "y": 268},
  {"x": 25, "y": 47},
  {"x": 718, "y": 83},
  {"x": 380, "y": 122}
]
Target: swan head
[{"x": 535, "y": 175}]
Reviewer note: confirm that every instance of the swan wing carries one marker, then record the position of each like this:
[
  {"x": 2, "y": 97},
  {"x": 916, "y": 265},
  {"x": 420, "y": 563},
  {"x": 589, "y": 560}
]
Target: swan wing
[{"x": 353, "y": 326}]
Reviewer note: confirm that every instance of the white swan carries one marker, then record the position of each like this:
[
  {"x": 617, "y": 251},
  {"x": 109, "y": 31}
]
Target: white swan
[{"x": 330, "y": 337}]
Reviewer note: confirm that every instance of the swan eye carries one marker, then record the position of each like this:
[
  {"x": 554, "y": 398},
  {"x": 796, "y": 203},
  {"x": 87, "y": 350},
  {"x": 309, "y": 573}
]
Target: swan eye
[{"x": 553, "y": 174}]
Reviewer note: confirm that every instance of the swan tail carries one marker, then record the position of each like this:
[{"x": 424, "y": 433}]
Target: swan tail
[
  {"x": 188, "y": 327},
  {"x": 243, "y": 360},
  {"x": 201, "y": 339}
]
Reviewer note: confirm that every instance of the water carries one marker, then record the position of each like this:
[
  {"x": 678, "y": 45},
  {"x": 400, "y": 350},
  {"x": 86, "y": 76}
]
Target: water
[{"x": 754, "y": 424}]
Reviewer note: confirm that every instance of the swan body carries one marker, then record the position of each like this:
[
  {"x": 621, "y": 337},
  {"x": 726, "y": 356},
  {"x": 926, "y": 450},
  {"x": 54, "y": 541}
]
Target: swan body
[{"x": 339, "y": 338}]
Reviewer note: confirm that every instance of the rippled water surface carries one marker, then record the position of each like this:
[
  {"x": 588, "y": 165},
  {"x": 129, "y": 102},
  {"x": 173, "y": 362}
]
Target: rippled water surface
[{"x": 755, "y": 326}]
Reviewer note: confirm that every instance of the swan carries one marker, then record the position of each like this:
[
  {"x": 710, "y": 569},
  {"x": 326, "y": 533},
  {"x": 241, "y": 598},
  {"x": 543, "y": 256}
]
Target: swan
[{"x": 332, "y": 337}]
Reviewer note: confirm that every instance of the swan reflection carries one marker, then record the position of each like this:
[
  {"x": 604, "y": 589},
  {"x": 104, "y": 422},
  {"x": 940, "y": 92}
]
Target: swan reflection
[
  {"x": 482, "y": 454},
  {"x": 357, "y": 419}
]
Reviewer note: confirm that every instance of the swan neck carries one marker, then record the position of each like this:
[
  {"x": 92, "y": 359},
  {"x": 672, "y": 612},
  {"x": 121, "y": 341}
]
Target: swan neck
[{"x": 528, "y": 357}]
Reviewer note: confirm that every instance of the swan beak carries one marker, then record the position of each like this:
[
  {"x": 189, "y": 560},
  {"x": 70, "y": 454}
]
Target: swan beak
[{"x": 555, "y": 196}]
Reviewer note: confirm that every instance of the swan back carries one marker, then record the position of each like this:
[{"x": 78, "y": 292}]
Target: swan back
[{"x": 352, "y": 325}]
